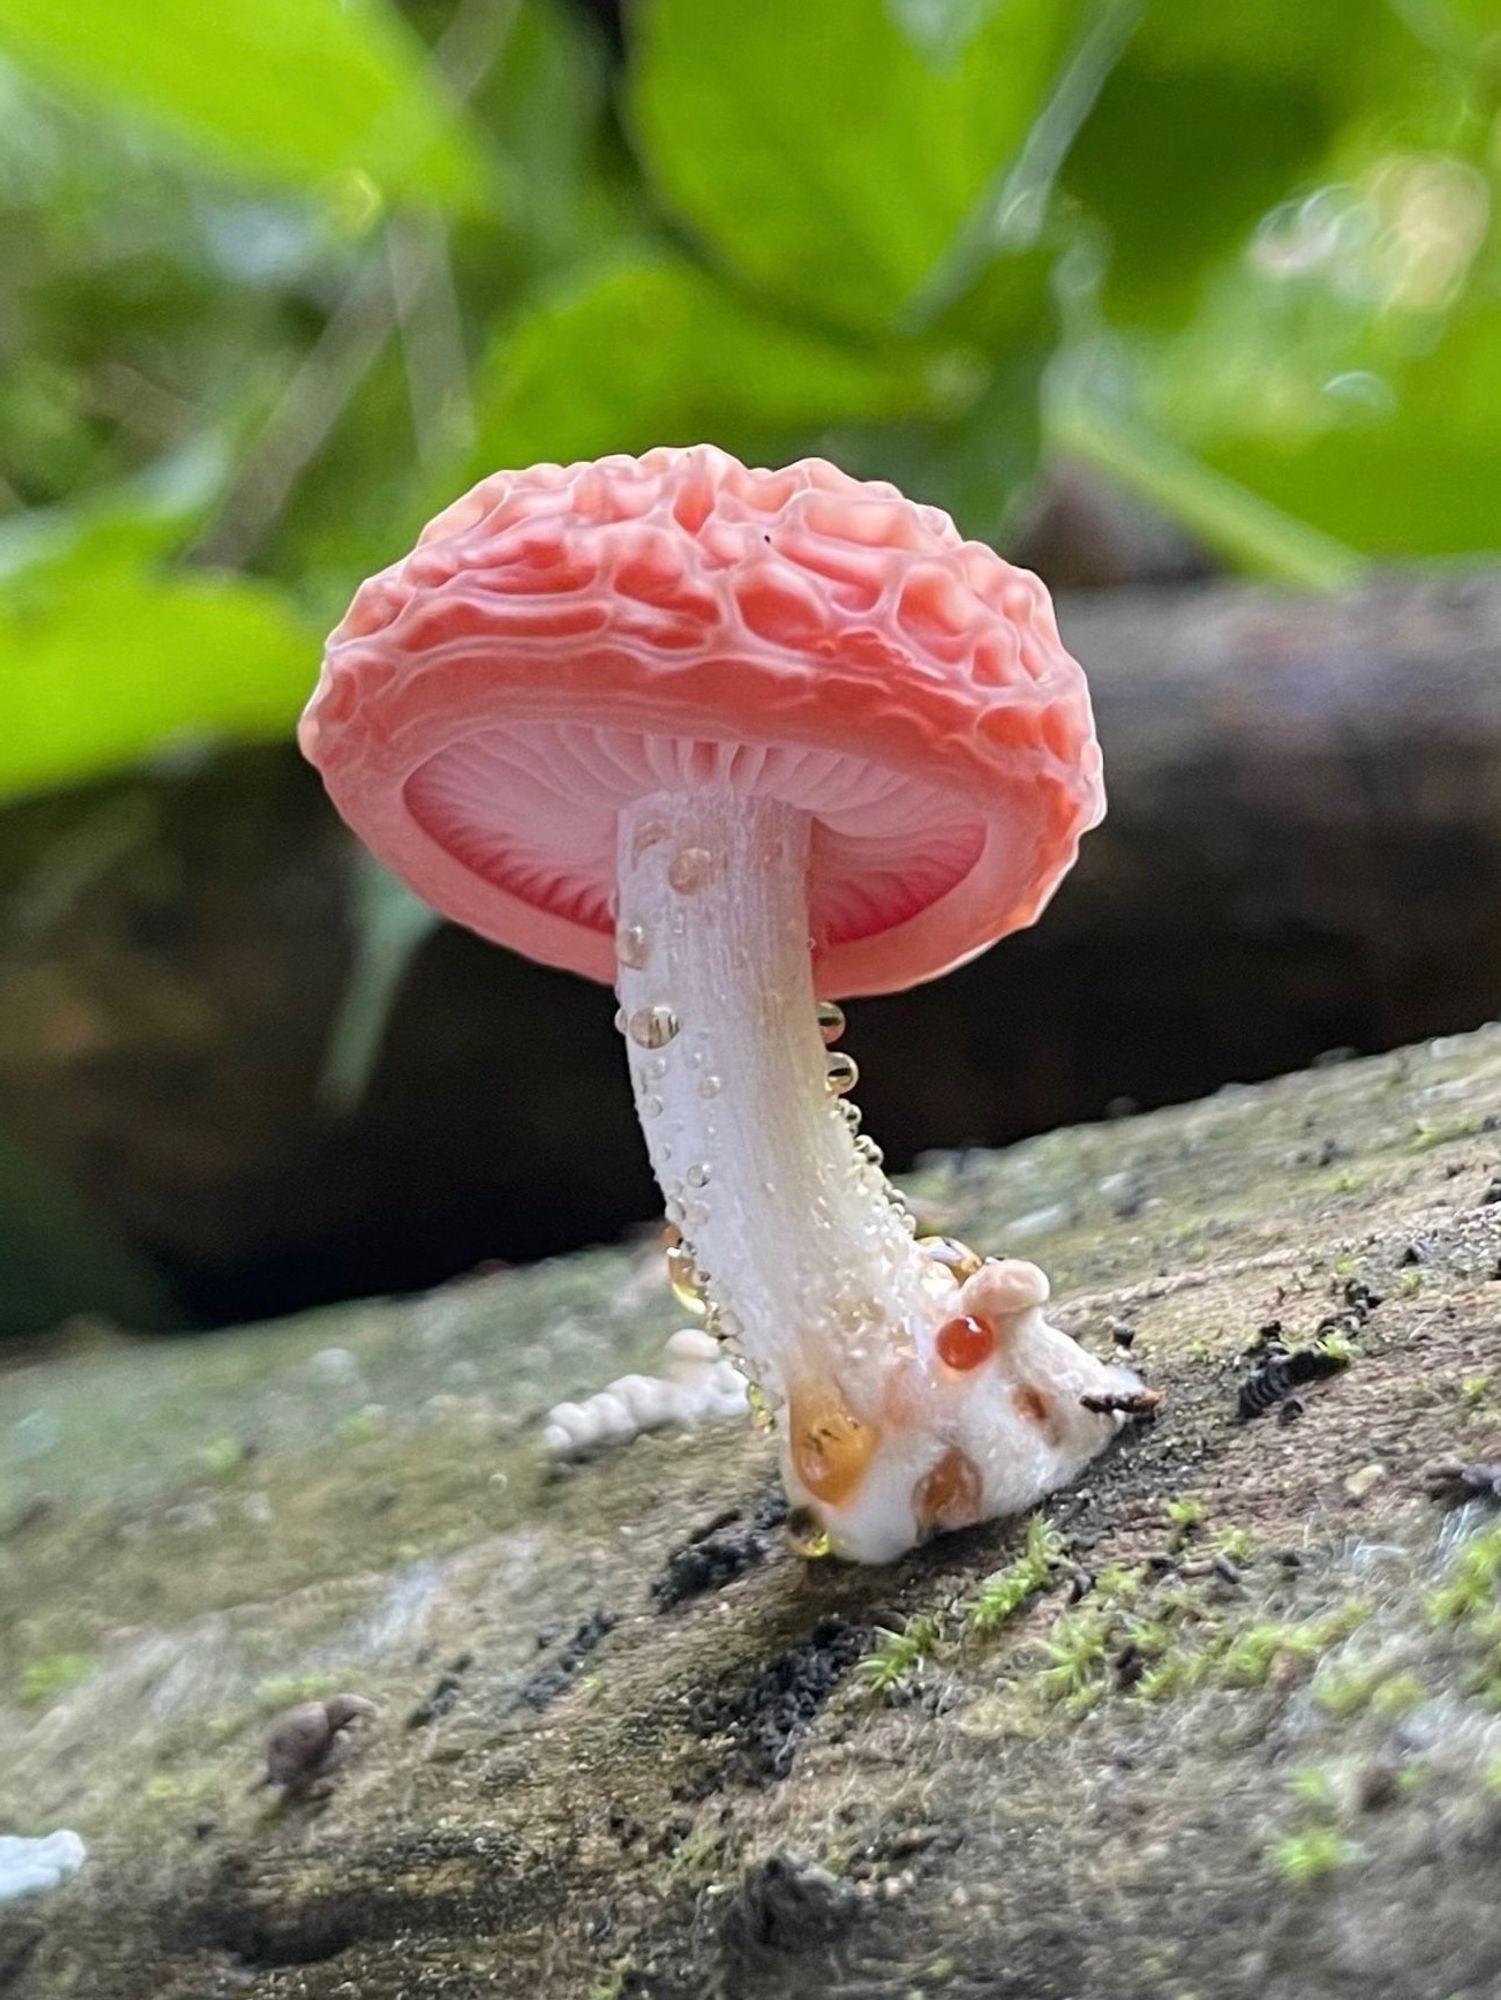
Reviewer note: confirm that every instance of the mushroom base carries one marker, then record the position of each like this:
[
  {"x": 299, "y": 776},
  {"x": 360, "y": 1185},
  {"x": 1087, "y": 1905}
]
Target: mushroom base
[{"x": 906, "y": 1402}]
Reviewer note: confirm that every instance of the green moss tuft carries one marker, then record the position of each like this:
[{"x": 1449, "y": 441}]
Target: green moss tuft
[
  {"x": 47, "y": 1680},
  {"x": 1308, "y": 1856}
]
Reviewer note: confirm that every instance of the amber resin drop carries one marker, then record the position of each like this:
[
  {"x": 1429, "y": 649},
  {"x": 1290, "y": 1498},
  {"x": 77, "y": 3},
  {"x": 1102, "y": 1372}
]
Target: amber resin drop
[
  {"x": 831, "y": 1446},
  {"x": 952, "y": 1255},
  {"x": 965, "y": 1342},
  {"x": 684, "y": 1281}
]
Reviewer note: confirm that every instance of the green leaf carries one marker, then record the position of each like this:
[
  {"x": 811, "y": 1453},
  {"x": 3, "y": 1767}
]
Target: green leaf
[
  {"x": 658, "y": 352},
  {"x": 102, "y": 666},
  {"x": 335, "y": 95},
  {"x": 1215, "y": 114},
  {"x": 823, "y": 151},
  {"x": 1349, "y": 370},
  {"x": 979, "y": 460}
]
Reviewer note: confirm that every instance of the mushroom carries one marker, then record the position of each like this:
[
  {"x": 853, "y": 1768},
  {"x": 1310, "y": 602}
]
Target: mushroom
[{"x": 742, "y": 742}]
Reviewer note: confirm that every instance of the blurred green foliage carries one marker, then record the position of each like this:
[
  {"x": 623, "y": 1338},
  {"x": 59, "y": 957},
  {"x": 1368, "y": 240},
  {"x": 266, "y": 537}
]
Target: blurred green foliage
[{"x": 283, "y": 275}]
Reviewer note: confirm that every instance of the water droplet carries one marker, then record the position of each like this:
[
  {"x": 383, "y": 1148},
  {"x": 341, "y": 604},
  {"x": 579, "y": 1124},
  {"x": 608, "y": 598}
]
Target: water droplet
[
  {"x": 620, "y": 1022},
  {"x": 652, "y": 1027},
  {"x": 673, "y": 1210},
  {"x": 650, "y": 1107},
  {"x": 710, "y": 1085},
  {"x": 695, "y": 1215},
  {"x": 649, "y": 834},
  {"x": 630, "y": 946},
  {"x": 689, "y": 869},
  {"x": 697, "y": 1174},
  {"x": 830, "y": 1020},
  {"x": 868, "y": 1150},
  {"x": 851, "y": 1114},
  {"x": 841, "y": 1072},
  {"x": 656, "y": 1069}
]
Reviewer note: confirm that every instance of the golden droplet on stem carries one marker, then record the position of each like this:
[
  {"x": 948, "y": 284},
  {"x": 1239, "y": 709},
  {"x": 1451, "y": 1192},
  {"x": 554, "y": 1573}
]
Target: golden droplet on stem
[
  {"x": 831, "y": 1447},
  {"x": 683, "y": 1278},
  {"x": 952, "y": 1254},
  {"x": 830, "y": 1020},
  {"x": 841, "y": 1074},
  {"x": 808, "y": 1536}
]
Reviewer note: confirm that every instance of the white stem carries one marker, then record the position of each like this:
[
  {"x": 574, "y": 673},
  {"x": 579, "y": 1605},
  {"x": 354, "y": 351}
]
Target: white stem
[{"x": 809, "y": 1263}]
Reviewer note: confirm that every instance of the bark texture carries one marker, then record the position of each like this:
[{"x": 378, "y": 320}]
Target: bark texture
[{"x": 1238, "y": 1737}]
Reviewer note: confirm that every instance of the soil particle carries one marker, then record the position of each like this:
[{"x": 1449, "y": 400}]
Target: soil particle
[
  {"x": 718, "y": 1552},
  {"x": 766, "y": 1721},
  {"x": 557, "y": 1676},
  {"x": 784, "y": 1904}
]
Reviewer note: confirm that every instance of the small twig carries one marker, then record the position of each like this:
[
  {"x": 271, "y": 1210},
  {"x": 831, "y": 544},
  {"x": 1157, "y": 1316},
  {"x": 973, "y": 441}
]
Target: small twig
[{"x": 1125, "y": 1402}]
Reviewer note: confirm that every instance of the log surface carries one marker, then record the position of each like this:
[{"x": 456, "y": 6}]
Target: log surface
[{"x": 1256, "y": 1757}]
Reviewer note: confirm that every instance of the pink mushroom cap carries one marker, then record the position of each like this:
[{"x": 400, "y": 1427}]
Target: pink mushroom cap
[{"x": 565, "y": 640}]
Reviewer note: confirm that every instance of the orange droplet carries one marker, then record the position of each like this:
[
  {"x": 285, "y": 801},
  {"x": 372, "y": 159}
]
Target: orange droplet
[
  {"x": 965, "y": 1342},
  {"x": 948, "y": 1496},
  {"x": 831, "y": 1446}
]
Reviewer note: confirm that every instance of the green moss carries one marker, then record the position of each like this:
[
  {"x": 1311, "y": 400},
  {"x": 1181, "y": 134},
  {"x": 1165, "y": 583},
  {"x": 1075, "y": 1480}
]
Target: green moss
[
  {"x": 46, "y": 1680},
  {"x": 1428, "y": 1136},
  {"x": 363, "y": 1426},
  {"x": 1469, "y": 1587},
  {"x": 1076, "y": 1652},
  {"x": 1474, "y": 1390},
  {"x": 1310, "y": 1855},
  {"x": 1254, "y": 1652},
  {"x": 697, "y": 1856},
  {"x": 1003, "y": 1594},
  {"x": 286, "y": 1690},
  {"x": 177, "y": 1788},
  {"x": 222, "y": 1458},
  {"x": 1342, "y": 1691},
  {"x": 1236, "y": 1543},
  {"x": 1315, "y": 1787},
  {"x": 1409, "y": 1284},
  {"x": 611, "y": 1984},
  {"x": 898, "y": 1655}
]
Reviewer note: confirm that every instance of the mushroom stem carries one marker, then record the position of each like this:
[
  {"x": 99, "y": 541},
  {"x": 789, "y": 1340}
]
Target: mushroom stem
[{"x": 806, "y": 1257}]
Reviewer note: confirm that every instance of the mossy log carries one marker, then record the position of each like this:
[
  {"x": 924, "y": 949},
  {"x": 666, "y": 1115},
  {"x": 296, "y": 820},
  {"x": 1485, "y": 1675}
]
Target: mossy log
[{"x": 1226, "y": 1723}]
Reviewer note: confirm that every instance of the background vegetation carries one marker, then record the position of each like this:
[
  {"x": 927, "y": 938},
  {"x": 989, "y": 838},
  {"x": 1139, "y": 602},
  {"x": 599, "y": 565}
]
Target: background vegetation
[{"x": 281, "y": 276}]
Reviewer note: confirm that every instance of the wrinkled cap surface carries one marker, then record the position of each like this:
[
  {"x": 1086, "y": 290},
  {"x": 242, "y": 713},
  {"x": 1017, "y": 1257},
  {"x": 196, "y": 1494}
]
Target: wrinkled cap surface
[{"x": 565, "y": 640}]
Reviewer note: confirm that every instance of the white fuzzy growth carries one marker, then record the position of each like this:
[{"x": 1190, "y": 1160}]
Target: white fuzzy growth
[
  {"x": 698, "y": 1385},
  {"x": 29, "y": 1867},
  {"x": 804, "y": 1253}
]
